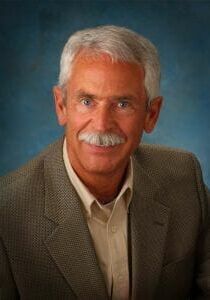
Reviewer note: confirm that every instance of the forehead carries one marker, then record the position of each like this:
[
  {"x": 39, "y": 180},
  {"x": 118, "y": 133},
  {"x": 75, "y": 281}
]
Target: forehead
[{"x": 101, "y": 71}]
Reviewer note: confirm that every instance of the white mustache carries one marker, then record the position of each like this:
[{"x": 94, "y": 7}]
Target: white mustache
[{"x": 101, "y": 139}]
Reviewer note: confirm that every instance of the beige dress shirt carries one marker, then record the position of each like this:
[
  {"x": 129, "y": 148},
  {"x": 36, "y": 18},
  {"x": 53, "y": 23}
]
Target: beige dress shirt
[{"x": 108, "y": 228}]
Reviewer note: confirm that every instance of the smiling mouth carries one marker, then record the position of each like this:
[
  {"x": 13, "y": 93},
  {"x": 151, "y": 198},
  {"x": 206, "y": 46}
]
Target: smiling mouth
[
  {"x": 101, "y": 149},
  {"x": 101, "y": 146}
]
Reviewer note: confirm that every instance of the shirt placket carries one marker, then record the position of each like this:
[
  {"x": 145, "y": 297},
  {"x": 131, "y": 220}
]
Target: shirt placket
[{"x": 116, "y": 229}]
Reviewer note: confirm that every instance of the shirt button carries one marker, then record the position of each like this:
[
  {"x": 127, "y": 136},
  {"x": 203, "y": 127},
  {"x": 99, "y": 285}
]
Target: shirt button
[
  {"x": 113, "y": 229},
  {"x": 120, "y": 277}
]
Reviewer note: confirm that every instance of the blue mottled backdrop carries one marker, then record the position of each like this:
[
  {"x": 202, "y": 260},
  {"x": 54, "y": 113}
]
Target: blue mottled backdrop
[{"x": 32, "y": 35}]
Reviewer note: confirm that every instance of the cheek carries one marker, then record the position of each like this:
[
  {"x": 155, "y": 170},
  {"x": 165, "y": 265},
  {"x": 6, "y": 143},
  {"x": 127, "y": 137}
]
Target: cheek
[
  {"x": 75, "y": 123},
  {"x": 132, "y": 127}
]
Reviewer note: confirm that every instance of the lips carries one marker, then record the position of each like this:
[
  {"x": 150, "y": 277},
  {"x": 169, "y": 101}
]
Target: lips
[
  {"x": 99, "y": 149},
  {"x": 100, "y": 146}
]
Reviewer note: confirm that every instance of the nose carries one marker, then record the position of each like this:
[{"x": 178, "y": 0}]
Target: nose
[{"x": 103, "y": 120}]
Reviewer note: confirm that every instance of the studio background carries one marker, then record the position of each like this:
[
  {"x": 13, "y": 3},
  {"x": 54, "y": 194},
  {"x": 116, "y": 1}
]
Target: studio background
[{"x": 32, "y": 35}]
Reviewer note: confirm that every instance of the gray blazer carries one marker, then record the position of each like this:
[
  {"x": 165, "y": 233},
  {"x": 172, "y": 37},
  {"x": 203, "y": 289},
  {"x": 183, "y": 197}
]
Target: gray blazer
[{"x": 46, "y": 251}]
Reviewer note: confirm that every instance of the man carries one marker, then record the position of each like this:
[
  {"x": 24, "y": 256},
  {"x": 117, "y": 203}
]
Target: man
[{"x": 96, "y": 216}]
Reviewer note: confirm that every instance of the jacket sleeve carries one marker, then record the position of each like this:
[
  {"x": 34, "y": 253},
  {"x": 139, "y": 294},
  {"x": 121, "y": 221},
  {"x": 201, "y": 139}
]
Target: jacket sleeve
[
  {"x": 201, "y": 289},
  {"x": 8, "y": 290}
]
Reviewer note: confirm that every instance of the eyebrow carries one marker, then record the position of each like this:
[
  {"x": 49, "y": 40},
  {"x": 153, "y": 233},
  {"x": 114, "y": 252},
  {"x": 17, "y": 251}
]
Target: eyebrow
[
  {"x": 123, "y": 97},
  {"x": 82, "y": 94}
]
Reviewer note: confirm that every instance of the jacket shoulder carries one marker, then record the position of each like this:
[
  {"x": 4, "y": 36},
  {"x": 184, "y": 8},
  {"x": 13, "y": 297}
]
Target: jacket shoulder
[
  {"x": 163, "y": 157},
  {"x": 169, "y": 165},
  {"x": 26, "y": 179},
  {"x": 176, "y": 171},
  {"x": 162, "y": 150}
]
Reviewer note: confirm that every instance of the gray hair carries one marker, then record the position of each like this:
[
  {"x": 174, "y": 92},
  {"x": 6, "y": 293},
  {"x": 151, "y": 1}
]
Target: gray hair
[{"x": 121, "y": 44}]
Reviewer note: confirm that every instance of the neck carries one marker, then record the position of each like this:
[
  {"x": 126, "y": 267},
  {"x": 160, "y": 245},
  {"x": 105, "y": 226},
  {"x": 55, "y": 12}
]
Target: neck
[{"x": 105, "y": 187}]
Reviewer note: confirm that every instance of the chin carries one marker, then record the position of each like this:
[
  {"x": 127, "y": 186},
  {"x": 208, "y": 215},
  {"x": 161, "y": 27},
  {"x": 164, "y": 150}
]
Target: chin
[
  {"x": 103, "y": 166},
  {"x": 100, "y": 169}
]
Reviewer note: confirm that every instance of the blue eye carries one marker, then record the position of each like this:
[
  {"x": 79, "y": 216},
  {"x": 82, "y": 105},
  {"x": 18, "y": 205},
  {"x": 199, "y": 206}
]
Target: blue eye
[
  {"x": 86, "y": 101},
  {"x": 123, "y": 104}
]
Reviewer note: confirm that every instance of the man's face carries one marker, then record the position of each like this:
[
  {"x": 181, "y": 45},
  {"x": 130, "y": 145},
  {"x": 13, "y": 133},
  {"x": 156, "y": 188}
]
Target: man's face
[{"x": 104, "y": 97}]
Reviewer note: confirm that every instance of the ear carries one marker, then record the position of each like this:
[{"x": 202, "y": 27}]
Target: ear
[
  {"x": 60, "y": 106},
  {"x": 153, "y": 112}
]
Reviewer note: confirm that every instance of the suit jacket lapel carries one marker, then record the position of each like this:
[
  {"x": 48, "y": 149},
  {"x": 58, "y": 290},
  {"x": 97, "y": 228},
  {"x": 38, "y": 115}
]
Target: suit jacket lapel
[
  {"x": 148, "y": 229},
  {"x": 70, "y": 244}
]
